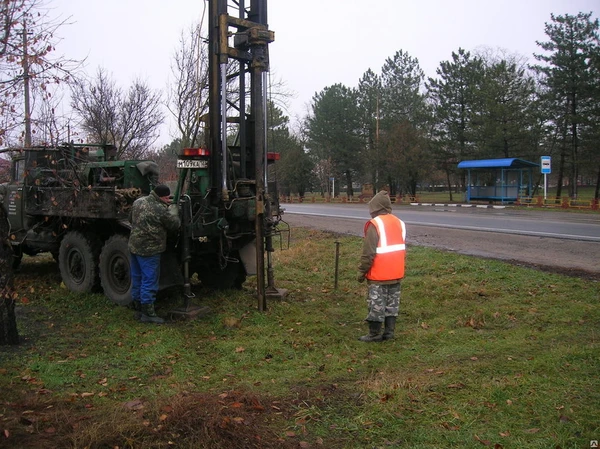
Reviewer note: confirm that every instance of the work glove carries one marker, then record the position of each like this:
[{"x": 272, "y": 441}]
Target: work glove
[
  {"x": 360, "y": 277},
  {"x": 173, "y": 210}
]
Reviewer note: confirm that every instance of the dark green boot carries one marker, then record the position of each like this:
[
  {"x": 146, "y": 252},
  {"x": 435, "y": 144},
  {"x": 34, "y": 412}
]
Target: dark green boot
[
  {"x": 390, "y": 325},
  {"x": 374, "y": 332},
  {"x": 136, "y": 305},
  {"x": 149, "y": 315}
]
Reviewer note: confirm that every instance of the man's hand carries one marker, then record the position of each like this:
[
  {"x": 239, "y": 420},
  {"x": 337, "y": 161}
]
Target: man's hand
[{"x": 173, "y": 210}]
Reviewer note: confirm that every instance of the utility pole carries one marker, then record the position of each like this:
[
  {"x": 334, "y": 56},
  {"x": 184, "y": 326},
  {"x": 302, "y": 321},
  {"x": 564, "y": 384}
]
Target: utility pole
[{"x": 26, "y": 88}]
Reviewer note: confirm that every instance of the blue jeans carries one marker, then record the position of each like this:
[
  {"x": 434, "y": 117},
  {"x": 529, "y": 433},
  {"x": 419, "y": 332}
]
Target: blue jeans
[{"x": 145, "y": 272}]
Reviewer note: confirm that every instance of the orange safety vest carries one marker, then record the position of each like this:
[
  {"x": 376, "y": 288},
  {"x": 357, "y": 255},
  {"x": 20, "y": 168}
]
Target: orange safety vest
[{"x": 388, "y": 263}]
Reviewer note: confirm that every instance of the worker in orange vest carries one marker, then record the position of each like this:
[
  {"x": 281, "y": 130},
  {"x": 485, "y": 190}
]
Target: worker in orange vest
[{"x": 382, "y": 265}]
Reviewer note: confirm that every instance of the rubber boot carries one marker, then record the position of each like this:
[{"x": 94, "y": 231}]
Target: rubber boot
[
  {"x": 149, "y": 315},
  {"x": 374, "y": 332},
  {"x": 136, "y": 305},
  {"x": 390, "y": 325}
]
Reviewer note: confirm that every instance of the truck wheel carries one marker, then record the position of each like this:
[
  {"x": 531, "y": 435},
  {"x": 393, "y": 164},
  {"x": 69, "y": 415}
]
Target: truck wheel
[
  {"x": 115, "y": 276},
  {"x": 78, "y": 262}
]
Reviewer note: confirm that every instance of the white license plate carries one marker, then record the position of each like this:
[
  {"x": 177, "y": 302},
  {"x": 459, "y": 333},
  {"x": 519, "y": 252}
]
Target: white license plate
[{"x": 189, "y": 163}]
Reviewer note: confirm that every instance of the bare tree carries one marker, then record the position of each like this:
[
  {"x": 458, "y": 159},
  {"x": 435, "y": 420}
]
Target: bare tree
[
  {"x": 8, "y": 323},
  {"x": 28, "y": 65},
  {"x": 188, "y": 93},
  {"x": 188, "y": 97},
  {"x": 129, "y": 120}
]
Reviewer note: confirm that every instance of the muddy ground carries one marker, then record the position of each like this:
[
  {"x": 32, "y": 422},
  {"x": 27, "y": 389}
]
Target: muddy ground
[{"x": 569, "y": 257}]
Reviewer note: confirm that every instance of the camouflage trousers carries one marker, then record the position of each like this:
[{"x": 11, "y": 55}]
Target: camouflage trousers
[{"x": 383, "y": 300}]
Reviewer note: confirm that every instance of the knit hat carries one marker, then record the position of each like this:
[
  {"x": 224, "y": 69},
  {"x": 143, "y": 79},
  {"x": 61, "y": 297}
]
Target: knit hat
[
  {"x": 162, "y": 190},
  {"x": 380, "y": 203}
]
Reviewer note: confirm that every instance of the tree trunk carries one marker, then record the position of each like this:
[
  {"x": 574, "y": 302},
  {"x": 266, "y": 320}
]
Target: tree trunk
[
  {"x": 349, "y": 189},
  {"x": 9, "y": 334},
  {"x": 449, "y": 183},
  {"x": 597, "y": 190}
]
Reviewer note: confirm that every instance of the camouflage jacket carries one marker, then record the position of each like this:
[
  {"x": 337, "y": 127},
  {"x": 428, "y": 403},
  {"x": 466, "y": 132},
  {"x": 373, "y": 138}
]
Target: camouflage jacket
[{"x": 151, "y": 219}]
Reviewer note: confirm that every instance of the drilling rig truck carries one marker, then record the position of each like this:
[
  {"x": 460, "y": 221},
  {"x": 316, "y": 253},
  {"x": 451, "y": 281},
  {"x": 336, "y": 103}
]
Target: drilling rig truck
[{"x": 73, "y": 200}]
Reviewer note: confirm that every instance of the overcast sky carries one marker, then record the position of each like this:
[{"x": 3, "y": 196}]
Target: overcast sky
[{"x": 317, "y": 42}]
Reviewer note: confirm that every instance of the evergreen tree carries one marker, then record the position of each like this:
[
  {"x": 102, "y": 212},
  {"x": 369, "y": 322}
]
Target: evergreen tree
[
  {"x": 571, "y": 81},
  {"x": 404, "y": 117},
  {"x": 369, "y": 104},
  {"x": 401, "y": 81},
  {"x": 504, "y": 125},
  {"x": 334, "y": 137},
  {"x": 455, "y": 99},
  {"x": 293, "y": 170}
]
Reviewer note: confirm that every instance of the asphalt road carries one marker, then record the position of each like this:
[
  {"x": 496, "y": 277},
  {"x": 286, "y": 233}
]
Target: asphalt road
[
  {"x": 556, "y": 241},
  {"x": 506, "y": 220}
]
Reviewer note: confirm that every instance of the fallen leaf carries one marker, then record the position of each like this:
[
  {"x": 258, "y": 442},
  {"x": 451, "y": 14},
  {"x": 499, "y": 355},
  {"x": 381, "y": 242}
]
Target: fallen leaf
[
  {"x": 450, "y": 427},
  {"x": 239, "y": 349},
  {"x": 484, "y": 442},
  {"x": 534, "y": 430}
]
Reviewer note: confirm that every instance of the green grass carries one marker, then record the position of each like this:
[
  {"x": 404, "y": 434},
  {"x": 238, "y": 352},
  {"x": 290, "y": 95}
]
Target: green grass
[{"x": 486, "y": 354}]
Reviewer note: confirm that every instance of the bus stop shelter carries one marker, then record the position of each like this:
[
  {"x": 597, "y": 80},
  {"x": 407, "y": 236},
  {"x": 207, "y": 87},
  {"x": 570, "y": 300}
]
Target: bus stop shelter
[{"x": 503, "y": 180}]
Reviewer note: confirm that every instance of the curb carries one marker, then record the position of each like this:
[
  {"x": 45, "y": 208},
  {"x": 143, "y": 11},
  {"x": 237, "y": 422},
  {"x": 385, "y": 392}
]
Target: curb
[{"x": 482, "y": 206}]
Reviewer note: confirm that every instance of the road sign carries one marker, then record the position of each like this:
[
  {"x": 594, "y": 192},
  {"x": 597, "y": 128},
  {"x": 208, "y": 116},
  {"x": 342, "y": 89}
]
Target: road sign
[{"x": 546, "y": 165}]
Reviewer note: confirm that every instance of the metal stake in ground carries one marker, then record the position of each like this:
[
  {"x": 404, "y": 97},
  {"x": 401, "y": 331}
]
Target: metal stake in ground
[{"x": 337, "y": 263}]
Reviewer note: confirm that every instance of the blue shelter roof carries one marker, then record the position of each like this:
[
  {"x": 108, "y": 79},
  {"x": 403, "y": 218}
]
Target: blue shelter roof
[{"x": 497, "y": 163}]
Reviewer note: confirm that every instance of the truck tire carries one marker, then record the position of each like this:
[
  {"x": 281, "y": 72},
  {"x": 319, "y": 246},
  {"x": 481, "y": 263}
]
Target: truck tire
[
  {"x": 115, "y": 274},
  {"x": 78, "y": 262}
]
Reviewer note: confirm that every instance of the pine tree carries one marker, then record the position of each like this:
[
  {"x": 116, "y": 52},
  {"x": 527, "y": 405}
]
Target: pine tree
[{"x": 570, "y": 80}]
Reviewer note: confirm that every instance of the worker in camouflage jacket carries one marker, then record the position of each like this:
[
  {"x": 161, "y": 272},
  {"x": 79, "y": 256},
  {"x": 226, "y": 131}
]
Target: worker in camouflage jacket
[
  {"x": 151, "y": 218},
  {"x": 382, "y": 265}
]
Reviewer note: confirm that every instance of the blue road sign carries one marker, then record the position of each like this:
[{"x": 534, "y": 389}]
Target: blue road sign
[{"x": 546, "y": 165}]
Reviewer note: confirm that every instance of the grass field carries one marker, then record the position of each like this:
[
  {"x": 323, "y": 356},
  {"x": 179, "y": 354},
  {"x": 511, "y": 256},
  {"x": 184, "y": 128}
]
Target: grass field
[{"x": 486, "y": 354}]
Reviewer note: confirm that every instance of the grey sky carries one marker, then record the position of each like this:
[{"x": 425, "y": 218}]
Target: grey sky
[{"x": 317, "y": 42}]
